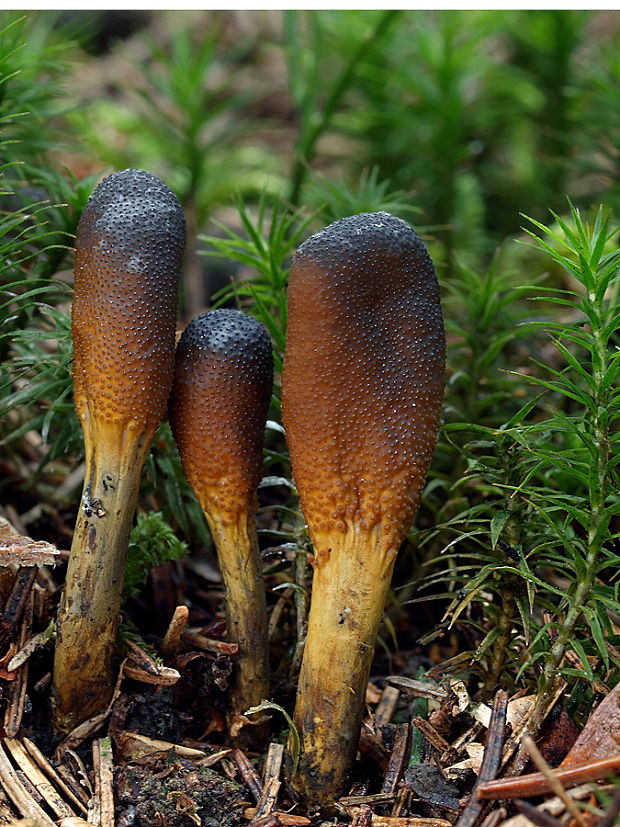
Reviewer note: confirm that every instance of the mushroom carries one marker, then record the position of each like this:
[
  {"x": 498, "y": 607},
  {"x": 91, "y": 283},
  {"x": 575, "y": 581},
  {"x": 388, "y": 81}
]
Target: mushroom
[
  {"x": 129, "y": 246},
  {"x": 218, "y": 409},
  {"x": 362, "y": 389}
]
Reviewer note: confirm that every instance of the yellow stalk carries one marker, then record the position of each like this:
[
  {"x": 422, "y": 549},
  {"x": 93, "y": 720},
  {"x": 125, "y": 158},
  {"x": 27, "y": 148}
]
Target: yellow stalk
[{"x": 349, "y": 590}]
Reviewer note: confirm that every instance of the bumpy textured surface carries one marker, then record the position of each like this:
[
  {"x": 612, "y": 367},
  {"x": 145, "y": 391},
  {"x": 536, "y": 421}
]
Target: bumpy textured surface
[
  {"x": 362, "y": 384},
  {"x": 218, "y": 408},
  {"x": 129, "y": 247}
]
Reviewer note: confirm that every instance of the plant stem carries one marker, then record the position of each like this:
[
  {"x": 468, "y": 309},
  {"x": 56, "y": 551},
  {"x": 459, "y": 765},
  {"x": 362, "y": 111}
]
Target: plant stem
[
  {"x": 350, "y": 586},
  {"x": 89, "y": 611},
  {"x": 306, "y": 145},
  {"x": 246, "y": 617},
  {"x": 598, "y": 496}
]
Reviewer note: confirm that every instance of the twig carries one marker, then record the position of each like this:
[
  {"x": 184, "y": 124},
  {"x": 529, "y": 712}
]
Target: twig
[
  {"x": 140, "y": 666},
  {"x": 387, "y": 705},
  {"x": 19, "y": 795},
  {"x": 36, "y": 754},
  {"x": 491, "y": 759},
  {"x": 15, "y": 709},
  {"x": 493, "y": 818},
  {"x": 411, "y": 821},
  {"x": 78, "y": 764},
  {"x": 30, "y": 647},
  {"x": 220, "y": 647},
  {"x": 524, "y": 786},
  {"x": 273, "y": 761},
  {"x": 103, "y": 771},
  {"x": 419, "y": 689},
  {"x": 286, "y": 819},
  {"x": 271, "y": 785},
  {"x": 37, "y": 779},
  {"x": 15, "y": 603},
  {"x": 366, "y": 800},
  {"x": 430, "y": 733},
  {"x": 555, "y": 786},
  {"x": 248, "y": 773},
  {"x": 398, "y": 758},
  {"x": 172, "y": 638}
]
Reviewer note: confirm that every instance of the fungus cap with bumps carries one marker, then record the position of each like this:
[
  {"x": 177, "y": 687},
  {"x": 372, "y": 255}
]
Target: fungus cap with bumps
[
  {"x": 361, "y": 406},
  {"x": 222, "y": 389},
  {"x": 130, "y": 243}
]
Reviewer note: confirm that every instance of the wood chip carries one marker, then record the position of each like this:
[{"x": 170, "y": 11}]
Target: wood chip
[
  {"x": 419, "y": 689},
  {"x": 491, "y": 760},
  {"x": 24, "y": 551},
  {"x": 131, "y": 746},
  {"x": 398, "y": 758},
  {"x": 430, "y": 733},
  {"x": 386, "y": 706},
  {"x": 18, "y": 794},
  {"x": 212, "y": 760},
  {"x": 286, "y": 819},
  {"x": 42, "y": 762},
  {"x": 267, "y": 801},
  {"x": 17, "y": 698},
  {"x": 103, "y": 767},
  {"x": 404, "y": 821},
  {"x": 42, "y": 784}
]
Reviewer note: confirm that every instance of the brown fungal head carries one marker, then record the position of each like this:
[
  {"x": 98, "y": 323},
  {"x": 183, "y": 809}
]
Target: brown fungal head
[
  {"x": 129, "y": 247},
  {"x": 218, "y": 407},
  {"x": 362, "y": 383}
]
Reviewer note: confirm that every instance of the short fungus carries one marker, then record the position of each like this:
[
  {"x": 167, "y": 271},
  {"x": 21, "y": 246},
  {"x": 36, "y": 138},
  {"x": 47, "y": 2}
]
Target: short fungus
[
  {"x": 362, "y": 390},
  {"x": 218, "y": 410},
  {"x": 129, "y": 248}
]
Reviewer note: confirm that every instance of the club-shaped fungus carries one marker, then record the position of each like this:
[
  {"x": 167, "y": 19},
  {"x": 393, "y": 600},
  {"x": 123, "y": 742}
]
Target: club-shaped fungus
[
  {"x": 218, "y": 409},
  {"x": 129, "y": 247},
  {"x": 362, "y": 390}
]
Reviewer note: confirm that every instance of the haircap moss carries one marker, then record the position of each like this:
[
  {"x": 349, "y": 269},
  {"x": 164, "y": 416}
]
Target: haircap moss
[
  {"x": 129, "y": 248},
  {"x": 362, "y": 384},
  {"x": 218, "y": 407}
]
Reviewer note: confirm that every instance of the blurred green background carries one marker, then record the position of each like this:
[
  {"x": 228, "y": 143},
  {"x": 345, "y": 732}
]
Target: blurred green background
[{"x": 465, "y": 118}]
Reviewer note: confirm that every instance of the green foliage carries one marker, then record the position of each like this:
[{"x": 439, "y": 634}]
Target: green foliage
[
  {"x": 181, "y": 115},
  {"x": 536, "y": 525},
  {"x": 335, "y": 198},
  {"x": 152, "y": 543},
  {"x": 268, "y": 242},
  {"x": 323, "y": 53}
]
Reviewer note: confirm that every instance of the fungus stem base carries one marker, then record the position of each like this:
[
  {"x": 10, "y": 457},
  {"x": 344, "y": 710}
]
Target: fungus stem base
[
  {"x": 246, "y": 619},
  {"x": 350, "y": 587},
  {"x": 89, "y": 611}
]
